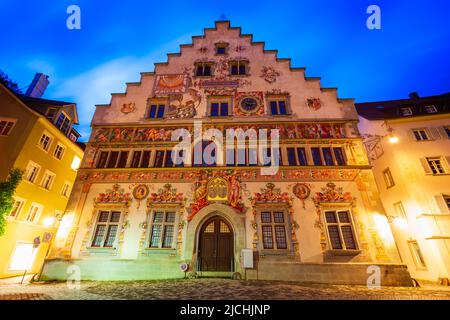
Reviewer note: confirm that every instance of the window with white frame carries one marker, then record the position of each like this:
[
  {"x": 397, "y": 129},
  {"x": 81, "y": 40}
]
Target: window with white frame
[
  {"x": 273, "y": 230},
  {"x": 435, "y": 165},
  {"x": 388, "y": 179},
  {"x": 106, "y": 229},
  {"x": 45, "y": 141},
  {"x": 417, "y": 255},
  {"x": 59, "y": 151},
  {"x": 16, "y": 208},
  {"x": 65, "y": 191},
  {"x": 430, "y": 109},
  {"x": 162, "y": 229},
  {"x": 420, "y": 134},
  {"x": 399, "y": 210},
  {"x": 6, "y": 127},
  {"x": 32, "y": 171},
  {"x": 406, "y": 111},
  {"x": 340, "y": 230},
  {"x": 63, "y": 123},
  {"x": 47, "y": 180},
  {"x": 34, "y": 213}
]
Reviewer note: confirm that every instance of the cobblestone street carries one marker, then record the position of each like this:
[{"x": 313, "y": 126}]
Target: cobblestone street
[{"x": 215, "y": 289}]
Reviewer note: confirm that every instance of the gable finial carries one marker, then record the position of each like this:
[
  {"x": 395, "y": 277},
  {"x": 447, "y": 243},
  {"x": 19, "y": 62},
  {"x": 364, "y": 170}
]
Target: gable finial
[{"x": 223, "y": 17}]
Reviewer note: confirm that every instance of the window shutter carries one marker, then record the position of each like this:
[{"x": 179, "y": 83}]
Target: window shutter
[
  {"x": 443, "y": 133},
  {"x": 435, "y": 135},
  {"x": 447, "y": 165},
  {"x": 441, "y": 204},
  {"x": 426, "y": 166}
]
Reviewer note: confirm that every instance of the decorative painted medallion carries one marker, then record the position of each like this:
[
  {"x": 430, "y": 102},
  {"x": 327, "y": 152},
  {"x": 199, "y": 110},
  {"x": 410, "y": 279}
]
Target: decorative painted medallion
[
  {"x": 128, "y": 107},
  {"x": 140, "y": 191},
  {"x": 302, "y": 192},
  {"x": 314, "y": 103},
  {"x": 269, "y": 74}
]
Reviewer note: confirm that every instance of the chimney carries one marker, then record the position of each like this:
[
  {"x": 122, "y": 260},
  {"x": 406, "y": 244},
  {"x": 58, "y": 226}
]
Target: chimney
[
  {"x": 38, "y": 86},
  {"x": 414, "y": 95}
]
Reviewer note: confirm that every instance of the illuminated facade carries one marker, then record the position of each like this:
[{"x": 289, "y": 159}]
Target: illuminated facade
[
  {"x": 408, "y": 142},
  {"x": 36, "y": 135},
  {"x": 140, "y": 215}
]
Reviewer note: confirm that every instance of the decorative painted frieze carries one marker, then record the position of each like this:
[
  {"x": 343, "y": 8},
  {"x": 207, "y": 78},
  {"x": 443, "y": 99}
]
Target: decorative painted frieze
[
  {"x": 287, "y": 131},
  {"x": 331, "y": 193},
  {"x": 128, "y": 107},
  {"x": 314, "y": 103},
  {"x": 116, "y": 195},
  {"x": 167, "y": 194}
]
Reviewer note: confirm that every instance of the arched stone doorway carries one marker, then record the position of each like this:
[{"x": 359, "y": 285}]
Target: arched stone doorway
[
  {"x": 236, "y": 222},
  {"x": 216, "y": 248}
]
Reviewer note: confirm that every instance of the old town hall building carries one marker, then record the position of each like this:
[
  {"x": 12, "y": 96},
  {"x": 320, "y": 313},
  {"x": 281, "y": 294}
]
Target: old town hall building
[{"x": 138, "y": 213}]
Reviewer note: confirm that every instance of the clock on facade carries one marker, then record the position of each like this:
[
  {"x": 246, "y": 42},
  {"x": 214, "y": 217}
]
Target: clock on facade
[{"x": 249, "y": 105}]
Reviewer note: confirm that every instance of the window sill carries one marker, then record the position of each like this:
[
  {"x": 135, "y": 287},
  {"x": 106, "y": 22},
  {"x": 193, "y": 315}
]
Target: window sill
[
  {"x": 150, "y": 251},
  {"x": 274, "y": 252},
  {"x": 342, "y": 252},
  {"x": 98, "y": 250}
]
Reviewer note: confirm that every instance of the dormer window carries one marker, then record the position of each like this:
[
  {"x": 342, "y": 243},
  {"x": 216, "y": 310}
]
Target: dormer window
[
  {"x": 239, "y": 68},
  {"x": 221, "y": 48},
  {"x": 63, "y": 123},
  {"x": 430, "y": 109},
  {"x": 406, "y": 111},
  {"x": 50, "y": 115},
  {"x": 203, "y": 69}
]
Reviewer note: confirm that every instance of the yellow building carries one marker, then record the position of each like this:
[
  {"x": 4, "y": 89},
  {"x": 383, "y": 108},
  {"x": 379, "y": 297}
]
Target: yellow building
[
  {"x": 409, "y": 146},
  {"x": 36, "y": 135}
]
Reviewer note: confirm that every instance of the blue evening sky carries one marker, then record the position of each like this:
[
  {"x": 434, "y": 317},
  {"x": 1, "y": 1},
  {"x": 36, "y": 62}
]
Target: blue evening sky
[{"x": 119, "y": 39}]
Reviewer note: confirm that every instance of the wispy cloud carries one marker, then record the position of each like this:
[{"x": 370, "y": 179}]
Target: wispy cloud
[{"x": 95, "y": 85}]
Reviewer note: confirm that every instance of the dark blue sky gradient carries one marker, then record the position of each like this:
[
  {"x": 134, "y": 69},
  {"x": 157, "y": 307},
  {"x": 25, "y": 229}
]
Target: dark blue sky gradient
[{"x": 119, "y": 39}]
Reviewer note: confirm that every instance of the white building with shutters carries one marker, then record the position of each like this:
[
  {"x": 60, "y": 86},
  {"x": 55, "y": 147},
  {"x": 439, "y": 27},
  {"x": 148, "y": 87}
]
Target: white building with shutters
[{"x": 408, "y": 143}]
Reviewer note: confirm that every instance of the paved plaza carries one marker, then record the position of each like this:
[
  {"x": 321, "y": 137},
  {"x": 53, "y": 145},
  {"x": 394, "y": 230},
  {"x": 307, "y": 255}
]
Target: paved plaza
[{"x": 214, "y": 289}]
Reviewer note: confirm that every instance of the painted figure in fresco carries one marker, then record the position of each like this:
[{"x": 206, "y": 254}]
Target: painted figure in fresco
[{"x": 234, "y": 191}]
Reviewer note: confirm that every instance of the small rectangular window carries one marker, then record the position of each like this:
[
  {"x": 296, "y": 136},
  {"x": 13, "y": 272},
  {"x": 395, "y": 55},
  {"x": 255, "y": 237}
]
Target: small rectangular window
[
  {"x": 159, "y": 159},
  {"x": 399, "y": 210},
  {"x": 45, "y": 141},
  {"x": 112, "y": 159},
  {"x": 340, "y": 230},
  {"x": 418, "y": 258},
  {"x": 32, "y": 172},
  {"x": 102, "y": 159},
  {"x": 47, "y": 180},
  {"x": 106, "y": 229},
  {"x": 388, "y": 179},
  {"x": 420, "y": 134},
  {"x": 238, "y": 68},
  {"x": 273, "y": 229},
  {"x": 278, "y": 107},
  {"x": 156, "y": 111},
  {"x": 65, "y": 192},
  {"x": 59, "y": 151},
  {"x": 136, "y": 159},
  {"x": 435, "y": 165},
  {"x": 339, "y": 156},
  {"x": 203, "y": 69},
  {"x": 145, "y": 162},
  {"x": 122, "y": 159},
  {"x": 16, "y": 208},
  {"x": 162, "y": 229},
  {"x": 219, "y": 109},
  {"x": 317, "y": 159},
  {"x": 34, "y": 213},
  {"x": 6, "y": 127},
  {"x": 327, "y": 156}
]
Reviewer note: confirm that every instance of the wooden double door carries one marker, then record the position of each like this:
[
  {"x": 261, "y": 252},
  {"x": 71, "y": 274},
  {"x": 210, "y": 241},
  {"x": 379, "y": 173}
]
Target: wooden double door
[{"x": 216, "y": 249}]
